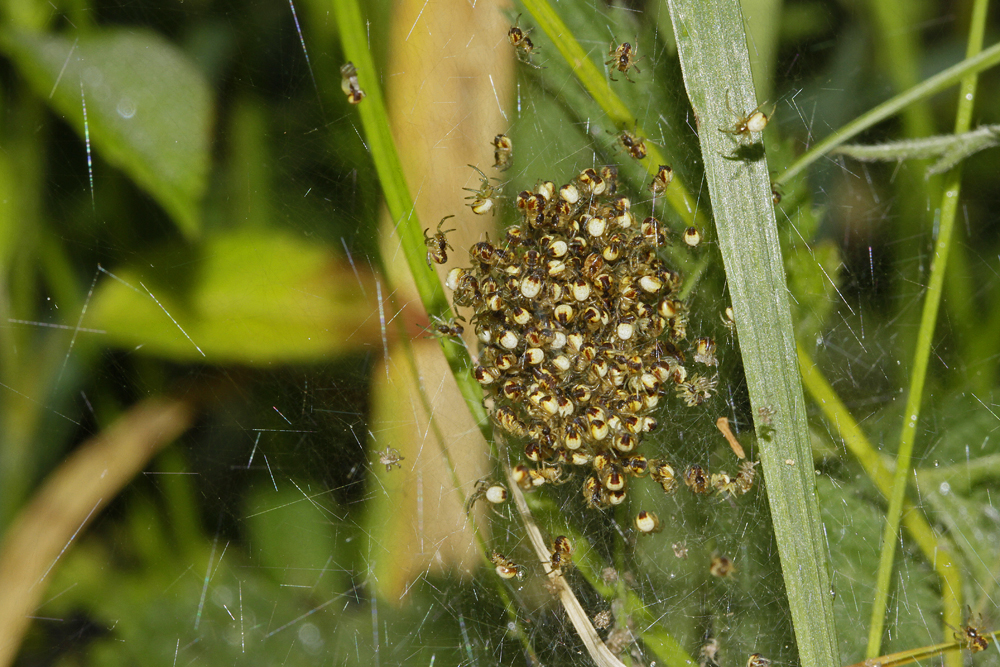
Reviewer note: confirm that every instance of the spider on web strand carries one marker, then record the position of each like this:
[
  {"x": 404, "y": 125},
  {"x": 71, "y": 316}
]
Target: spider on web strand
[
  {"x": 482, "y": 199},
  {"x": 622, "y": 58},
  {"x": 390, "y": 457},
  {"x": 751, "y": 123},
  {"x": 437, "y": 245},
  {"x": 523, "y": 46}
]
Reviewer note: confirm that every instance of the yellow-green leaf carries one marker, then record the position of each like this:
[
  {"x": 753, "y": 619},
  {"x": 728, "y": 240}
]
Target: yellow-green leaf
[{"x": 253, "y": 297}]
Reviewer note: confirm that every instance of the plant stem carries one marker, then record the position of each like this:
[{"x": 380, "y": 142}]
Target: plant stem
[
  {"x": 382, "y": 146},
  {"x": 922, "y": 90},
  {"x": 921, "y": 357},
  {"x": 913, "y": 655},
  {"x": 715, "y": 63}
]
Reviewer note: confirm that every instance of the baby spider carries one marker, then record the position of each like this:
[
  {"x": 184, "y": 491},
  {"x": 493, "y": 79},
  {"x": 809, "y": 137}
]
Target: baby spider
[
  {"x": 503, "y": 155},
  {"x": 437, "y": 245},
  {"x": 505, "y": 567},
  {"x": 692, "y": 236},
  {"x": 648, "y": 523},
  {"x": 494, "y": 493},
  {"x": 755, "y": 121},
  {"x": 971, "y": 636},
  {"x": 775, "y": 193},
  {"x": 622, "y": 58},
  {"x": 349, "y": 83},
  {"x": 633, "y": 145},
  {"x": 664, "y": 175},
  {"x": 483, "y": 197},
  {"x": 722, "y": 566},
  {"x": 523, "y": 46},
  {"x": 390, "y": 457},
  {"x": 450, "y": 328},
  {"x": 562, "y": 554},
  {"x": 728, "y": 318}
]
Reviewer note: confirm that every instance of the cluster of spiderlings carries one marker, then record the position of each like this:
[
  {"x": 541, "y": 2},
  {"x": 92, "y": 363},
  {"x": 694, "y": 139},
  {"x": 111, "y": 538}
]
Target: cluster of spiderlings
[{"x": 581, "y": 330}]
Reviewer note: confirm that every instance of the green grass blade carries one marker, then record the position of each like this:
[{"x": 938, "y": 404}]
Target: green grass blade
[
  {"x": 715, "y": 63},
  {"x": 764, "y": 20},
  {"x": 926, "y": 88},
  {"x": 597, "y": 85},
  {"x": 382, "y": 146},
  {"x": 921, "y": 356}
]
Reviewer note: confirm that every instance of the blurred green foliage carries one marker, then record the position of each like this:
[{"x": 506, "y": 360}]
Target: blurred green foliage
[{"x": 149, "y": 109}]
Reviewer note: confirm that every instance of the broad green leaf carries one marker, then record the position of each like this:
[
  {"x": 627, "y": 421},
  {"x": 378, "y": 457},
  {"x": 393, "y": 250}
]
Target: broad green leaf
[
  {"x": 148, "y": 108},
  {"x": 246, "y": 297}
]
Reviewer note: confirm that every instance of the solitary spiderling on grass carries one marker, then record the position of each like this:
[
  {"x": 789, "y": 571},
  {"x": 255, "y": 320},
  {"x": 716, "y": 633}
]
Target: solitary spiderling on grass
[
  {"x": 755, "y": 121},
  {"x": 349, "y": 83}
]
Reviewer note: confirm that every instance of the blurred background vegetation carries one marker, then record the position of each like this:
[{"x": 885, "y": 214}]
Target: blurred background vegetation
[{"x": 207, "y": 335}]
